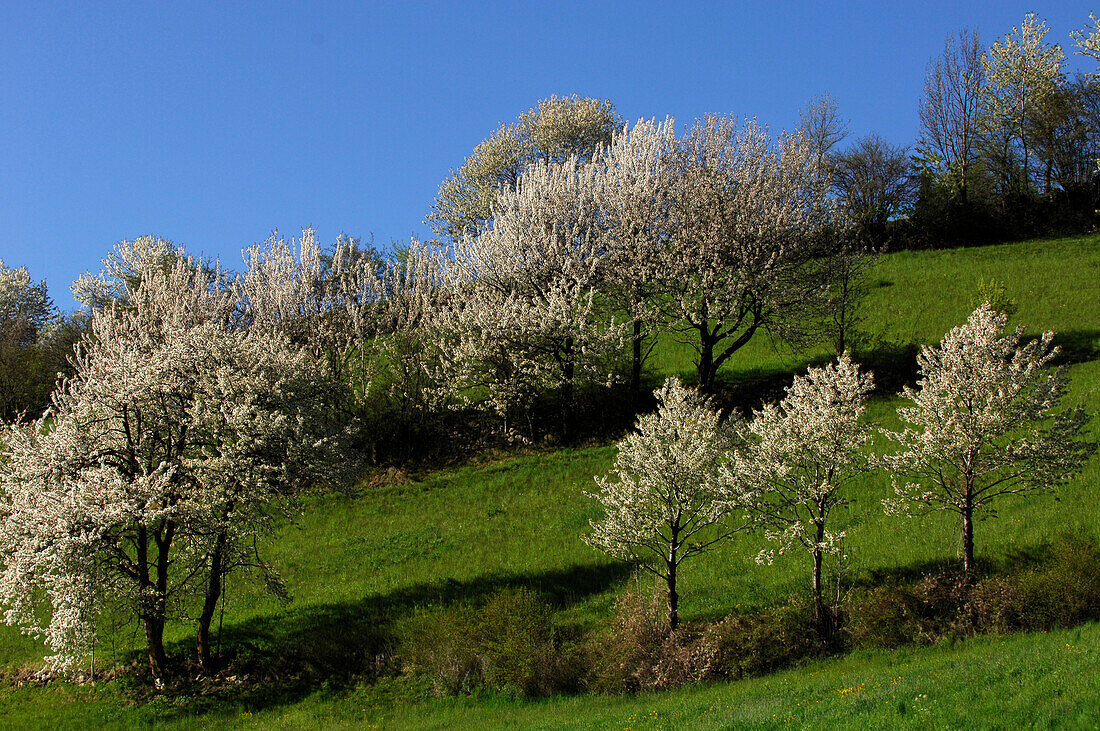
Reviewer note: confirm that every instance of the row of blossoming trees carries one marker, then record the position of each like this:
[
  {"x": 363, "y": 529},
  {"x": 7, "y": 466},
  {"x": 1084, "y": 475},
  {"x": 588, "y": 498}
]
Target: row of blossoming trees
[
  {"x": 202, "y": 402},
  {"x": 983, "y": 423}
]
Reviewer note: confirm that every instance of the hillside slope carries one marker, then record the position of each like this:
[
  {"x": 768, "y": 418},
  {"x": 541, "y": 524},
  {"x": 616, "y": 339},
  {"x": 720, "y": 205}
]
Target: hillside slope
[{"x": 358, "y": 566}]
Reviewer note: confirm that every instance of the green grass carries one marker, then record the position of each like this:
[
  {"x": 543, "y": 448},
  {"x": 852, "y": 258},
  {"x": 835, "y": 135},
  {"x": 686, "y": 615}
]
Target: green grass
[
  {"x": 1042, "y": 680},
  {"x": 920, "y": 295},
  {"x": 356, "y": 565}
]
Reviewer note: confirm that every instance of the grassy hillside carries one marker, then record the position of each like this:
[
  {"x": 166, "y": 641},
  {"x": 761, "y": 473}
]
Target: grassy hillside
[
  {"x": 359, "y": 566},
  {"x": 1038, "y": 680}
]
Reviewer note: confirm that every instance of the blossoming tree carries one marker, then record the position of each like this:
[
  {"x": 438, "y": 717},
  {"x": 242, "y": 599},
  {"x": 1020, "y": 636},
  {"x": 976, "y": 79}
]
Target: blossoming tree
[
  {"x": 161, "y": 465},
  {"x": 984, "y": 424},
  {"x": 668, "y": 496},
  {"x": 799, "y": 459},
  {"x": 744, "y": 249},
  {"x": 632, "y": 188},
  {"x": 523, "y": 316}
]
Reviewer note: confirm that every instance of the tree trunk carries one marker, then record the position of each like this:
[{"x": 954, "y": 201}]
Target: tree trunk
[
  {"x": 210, "y": 604},
  {"x": 819, "y": 595},
  {"x": 636, "y": 366},
  {"x": 968, "y": 537},
  {"x": 673, "y": 600},
  {"x": 706, "y": 360},
  {"x": 151, "y": 610},
  {"x": 822, "y": 614},
  {"x": 154, "y": 640}
]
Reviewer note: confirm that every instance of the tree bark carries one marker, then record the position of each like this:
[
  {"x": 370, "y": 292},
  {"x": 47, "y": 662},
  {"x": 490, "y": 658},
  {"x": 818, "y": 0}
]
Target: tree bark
[
  {"x": 819, "y": 595},
  {"x": 821, "y": 613},
  {"x": 706, "y": 360},
  {"x": 154, "y": 640},
  {"x": 670, "y": 577},
  {"x": 673, "y": 600},
  {"x": 210, "y": 604},
  {"x": 968, "y": 519},
  {"x": 636, "y": 366},
  {"x": 968, "y": 537},
  {"x": 152, "y": 608}
]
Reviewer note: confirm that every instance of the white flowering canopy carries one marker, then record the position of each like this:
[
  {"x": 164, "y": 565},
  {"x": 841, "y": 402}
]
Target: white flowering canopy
[
  {"x": 522, "y": 315},
  {"x": 746, "y": 213},
  {"x": 801, "y": 454},
  {"x": 1087, "y": 39},
  {"x": 985, "y": 422},
  {"x": 667, "y": 485},
  {"x": 177, "y": 430}
]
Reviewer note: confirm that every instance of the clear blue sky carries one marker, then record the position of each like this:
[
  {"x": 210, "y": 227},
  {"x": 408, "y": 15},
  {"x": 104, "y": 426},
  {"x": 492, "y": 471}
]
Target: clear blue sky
[{"x": 213, "y": 124}]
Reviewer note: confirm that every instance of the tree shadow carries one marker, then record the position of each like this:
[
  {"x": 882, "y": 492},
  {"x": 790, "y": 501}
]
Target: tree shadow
[
  {"x": 1019, "y": 558},
  {"x": 281, "y": 658},
  {"x": 894, "y": 365},
  {"x": 1077, "y": 346},
  {"x": 914, "y": 572},
  {"x": 750, "y": 389}
]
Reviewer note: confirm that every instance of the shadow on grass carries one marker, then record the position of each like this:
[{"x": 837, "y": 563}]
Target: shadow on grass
[
  {"x": 893, "y": 364},
  {"x": 1078, "y": 346},
  {"x": 282, "y": 658},
  {"x": 1017, "y": 559}
]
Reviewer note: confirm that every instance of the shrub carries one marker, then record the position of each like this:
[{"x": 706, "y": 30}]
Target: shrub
[
  {"x": 511, "y": 644},
  {"x": 640, "y": 653},
  {"x": 442, "y": 646},
  {"x": 1064, "y": 593},
  {"x": 899, "y": 614},
  {"x": 523, "y": 651},
  {"x": 760, "y": 643}
]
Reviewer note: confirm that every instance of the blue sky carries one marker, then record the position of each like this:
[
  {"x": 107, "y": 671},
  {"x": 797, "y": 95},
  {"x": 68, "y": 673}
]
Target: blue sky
[{"x": 213, "y": 124}]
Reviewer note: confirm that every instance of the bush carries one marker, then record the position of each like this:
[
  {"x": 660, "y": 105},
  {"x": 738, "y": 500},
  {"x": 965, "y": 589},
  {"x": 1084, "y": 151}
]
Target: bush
[
  {"x": 1062, "y": 594},
  {"x": 442, "y": 645},
  {"x": 899, "y": 614},
  {"x": 639, "y": 653},
  {"x": 760, "y": 643},
  {"x": 1063, "y": 591},
  {"x": 523, "y": 651},
  {"x": 511, "y": 644}
]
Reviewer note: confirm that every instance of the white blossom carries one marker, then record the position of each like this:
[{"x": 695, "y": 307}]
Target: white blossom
[
  {"x": 1024, "y": 73},
  {"x": 158, "y": 469},
  {"x": 985, "y": 423},
  {"x": 799, "y": 459},
  {"x": 632, "y": 185},
  {"x": 326, "y": 300},
  {"x": 1087, "y": 40},
  {"x": 667, "y": 494},
  {"x": 743, "y": 243},
  {"x": 522, "y": 316}
]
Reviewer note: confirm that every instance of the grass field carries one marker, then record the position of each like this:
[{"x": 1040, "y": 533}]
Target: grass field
[{"x": 357, "y": 566}]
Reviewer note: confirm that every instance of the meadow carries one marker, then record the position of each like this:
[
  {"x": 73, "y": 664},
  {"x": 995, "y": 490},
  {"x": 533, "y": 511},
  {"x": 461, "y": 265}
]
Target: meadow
[{"x": 360, "y": 566}]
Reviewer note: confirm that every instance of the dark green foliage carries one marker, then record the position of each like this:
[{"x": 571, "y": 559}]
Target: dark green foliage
[
  {"x": 754, "y": 644},
  {"x": 525, "y": 651},
  {"x": 36, "y": 342},
  {"x": 512, "y": 644},
  {"x": 1061, "y": 590},
  {"x": 897, "y": 614},
  {"x": 442, "y": 646}
]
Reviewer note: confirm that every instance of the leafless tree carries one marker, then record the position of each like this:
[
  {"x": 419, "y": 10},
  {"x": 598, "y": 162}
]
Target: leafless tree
[{"x": 950, "y": 110}]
